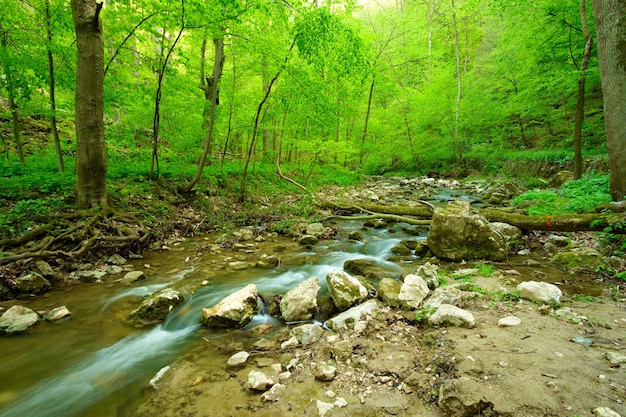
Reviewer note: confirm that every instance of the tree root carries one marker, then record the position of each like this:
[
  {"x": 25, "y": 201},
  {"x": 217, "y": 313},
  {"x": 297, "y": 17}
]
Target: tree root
[{"x": 105, "y": 230}]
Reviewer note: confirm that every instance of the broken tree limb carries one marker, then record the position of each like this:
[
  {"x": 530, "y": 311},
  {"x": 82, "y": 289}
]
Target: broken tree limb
[
  {"x": 279, "y": 172},
  {"x": 425, "y": 209}
]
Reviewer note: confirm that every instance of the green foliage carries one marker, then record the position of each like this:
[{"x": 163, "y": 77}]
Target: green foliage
[
  {"x": 580, "y": 196},
  {"x": 422, "y": 315},
  {"x": 586, "y": 298}
]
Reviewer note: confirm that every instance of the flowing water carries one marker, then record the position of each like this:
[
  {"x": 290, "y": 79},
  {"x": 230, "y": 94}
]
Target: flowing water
[{"x": 96, "y": 364}]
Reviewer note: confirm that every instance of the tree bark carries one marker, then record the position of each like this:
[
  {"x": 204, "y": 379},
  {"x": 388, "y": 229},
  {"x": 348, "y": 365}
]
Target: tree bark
[
  {"x": 91, "y": 162},
  {"x": 367, "y": 119},
  {"x": 15, "y": 120},
  {"x": 218, "y": 67},
  {"x": 458, "y": 86},
  {"x": 580, "y": 104},
  {"x": 610, "y": 18},
  {"x": 51, "y": 84}
]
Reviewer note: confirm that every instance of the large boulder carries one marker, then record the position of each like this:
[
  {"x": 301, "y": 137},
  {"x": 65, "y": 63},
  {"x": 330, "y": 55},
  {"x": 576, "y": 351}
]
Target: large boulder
[
  {"x": 17, "y": 319},
  {"x": 389, "y": 291},
  {"x": 449, "y": 315},
  {"x": 234, "y": 311},
  {"x": 300, "y": 303},
  {"x": 345, "y": 289},
  {"x": 156, "y": 307},
  {"x": 31, "y": 283},
  {"x": 459, "y": 232}
]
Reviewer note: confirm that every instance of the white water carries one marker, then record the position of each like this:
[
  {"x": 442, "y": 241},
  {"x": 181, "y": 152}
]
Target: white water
[{"x": 135, "y": 358}]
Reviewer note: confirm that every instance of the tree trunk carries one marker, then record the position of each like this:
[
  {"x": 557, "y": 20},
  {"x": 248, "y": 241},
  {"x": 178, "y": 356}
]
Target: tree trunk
[
  {"x": 51, "y": 84},
  {"x": 610, "y": 18},
  {"x": 91, "y": 162},
  {"x": 218, "y": 67},
  {"x": 458, "y": 86},
  {"x": 367, "y": 119},
  {"x": 231, "y": 104},
  {"x": 580, "y": 104}
]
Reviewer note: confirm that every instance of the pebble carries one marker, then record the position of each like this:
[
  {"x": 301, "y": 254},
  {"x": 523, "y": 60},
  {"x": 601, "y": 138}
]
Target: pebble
[
  {"x": 509, "y": 321},
  {"x": 605, "y": 412}
]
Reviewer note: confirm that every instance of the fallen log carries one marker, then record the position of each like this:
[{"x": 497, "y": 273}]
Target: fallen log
[{"x": 557, "y": 223}]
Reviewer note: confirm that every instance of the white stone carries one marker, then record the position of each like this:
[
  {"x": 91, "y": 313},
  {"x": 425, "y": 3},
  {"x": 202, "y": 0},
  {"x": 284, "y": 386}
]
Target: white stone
[
  {"x": 614, "y": 358},
  {"x": 340, "y": 402},
  {"x": 154, "y": 382},
  {"x": 58, "y": 313},
  {"x": 351, "y": 318},
  {"x": 300, "y": 303},
  {"x": 448, "y": 314},
  {"x": 291, "y": 343},
  {"x": 413, "y": 291},
  {"x": 540, "y": 291},
  {"x": 238, "y": 358},
  {"x": 258, "y": 381},
  {"x": 133, "y": 276},
  {"x": 509, "y": 321},
  {"x": 323, "y": 407},
  {"x": 17, "y": 319},
  {"x": 275, "y": 393},
  {"x": 605, "y": 412},
  {"x": 323, "y": 372}
]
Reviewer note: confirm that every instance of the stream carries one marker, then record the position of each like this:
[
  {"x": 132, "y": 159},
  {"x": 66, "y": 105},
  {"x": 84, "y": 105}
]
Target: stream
[{"x": 92, "y": 364}]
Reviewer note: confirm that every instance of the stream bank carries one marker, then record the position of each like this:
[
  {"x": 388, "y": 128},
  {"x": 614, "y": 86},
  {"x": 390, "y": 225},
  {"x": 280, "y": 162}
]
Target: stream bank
[{"x": 397, "y": 365}]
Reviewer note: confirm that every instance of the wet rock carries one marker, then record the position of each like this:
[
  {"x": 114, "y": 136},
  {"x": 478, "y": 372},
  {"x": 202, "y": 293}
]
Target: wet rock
[
  {"x": 376, "y": 223},
  {"x": 559, "y": 241},
  {"x": 259, "y": 381},
  {"x": 389, "y": 291},
  {"x": 509, "y": 321},
  {"x": 307, "y": 333},
  {"x": 267, "y": 261},
  {"x": 154, "y": 381},
  {"x": 234, "y": 311},
  {"x": 90, "y": 276},
  {"x": 500, "y": 194},
  {"x": 57, "y": 313},
  {"x": 300, "y": 303},
  {"x": 459, "y": 232},
  {"x": 605, "y": 412},
  {"x": 238, "y": 359},
  {"x": 450, "y": 315},
  {"x": 275, "y": 393},
  {"x": 413, "y": 291},
  {"x": 355, "y": 235},
  {"x": 512, "y": 234},
  {"x": 323, "y": 371},
  {"x": 31, "y": 283},
  {"x": 580, "y": 260},
  {"x": 308, "y": 240},
  {"x": 156, "y": 307},
  {"x": 401, "y": 250},
  {"x": 316, "y": 229},
  {"x": 290, "y": 343},
  {"x": 365, "y": 267},
  {"x": 354, "y": 318},
  {"x": 116, "y": 259},
  {"x": 238, "y": 265},
  {"x": 345, "y": 289},
  {"x": 430, "y": 274},
  {"x": 421, "y": 249},
  {"x": 5, "y": 293},
  {"x": 113, "y": 269},
  {"x": 540, "y": 292},
  {"x": 132, "y": 276},
  {"x": 17, "y": 319}
]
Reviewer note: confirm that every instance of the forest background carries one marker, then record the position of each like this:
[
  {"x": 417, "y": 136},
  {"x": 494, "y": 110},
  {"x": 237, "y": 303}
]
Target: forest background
[{"x": 214, "y": 95}]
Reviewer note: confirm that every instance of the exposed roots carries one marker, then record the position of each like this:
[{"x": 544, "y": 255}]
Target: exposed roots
[{"x": 69, "y": 236}]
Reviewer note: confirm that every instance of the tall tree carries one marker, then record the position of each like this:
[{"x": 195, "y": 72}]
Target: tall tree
[
  {"x": 91, "y": 162},
  {"x": 52, "y": 86},
  {"x": 610, "y": 18}
]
